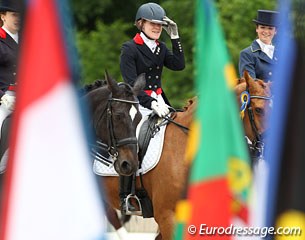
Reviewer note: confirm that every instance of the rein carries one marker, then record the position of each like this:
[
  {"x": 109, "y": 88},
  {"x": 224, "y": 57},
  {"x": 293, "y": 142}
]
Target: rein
[
  {"x": 258, "y": 146},
  {"x": 171, "y": 120},
  {"x": 113, "y": 143}
]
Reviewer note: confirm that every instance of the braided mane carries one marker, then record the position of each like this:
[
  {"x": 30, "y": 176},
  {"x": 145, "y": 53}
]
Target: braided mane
[{"x": 92, "y": 86}]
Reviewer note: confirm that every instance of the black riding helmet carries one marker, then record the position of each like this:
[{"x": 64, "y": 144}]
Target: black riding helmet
[
  {"x": 10, "y": 6},
  {"x": 151, "y": 12}
]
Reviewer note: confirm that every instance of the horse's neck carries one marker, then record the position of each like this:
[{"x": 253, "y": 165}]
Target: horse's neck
[{"x": 184, "y": 118}]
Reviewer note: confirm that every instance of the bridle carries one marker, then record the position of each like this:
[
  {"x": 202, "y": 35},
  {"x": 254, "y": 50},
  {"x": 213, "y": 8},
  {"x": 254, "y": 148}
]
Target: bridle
[
  {"x": 99, "y": 149},
  {"x": 258, "y": 145}
]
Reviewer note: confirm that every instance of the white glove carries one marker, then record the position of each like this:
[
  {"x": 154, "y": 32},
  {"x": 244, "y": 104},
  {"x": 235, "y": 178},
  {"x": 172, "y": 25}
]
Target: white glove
[
  {"x": 8, "y": 101},
  {"x": 161, "y": 109},
  {"x": 171, "y": 28}
]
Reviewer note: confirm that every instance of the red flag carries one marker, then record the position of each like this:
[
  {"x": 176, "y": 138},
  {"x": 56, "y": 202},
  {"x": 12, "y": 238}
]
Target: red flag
[{"x": 50, "y": 190}]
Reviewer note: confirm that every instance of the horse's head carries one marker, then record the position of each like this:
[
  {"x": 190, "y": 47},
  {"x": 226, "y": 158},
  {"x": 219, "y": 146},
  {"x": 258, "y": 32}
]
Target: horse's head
[
  {"x": 115, "y": 116},
  {"x": 255, "y": 100}
]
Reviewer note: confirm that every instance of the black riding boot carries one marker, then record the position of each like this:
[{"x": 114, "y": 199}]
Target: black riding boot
[
  {"x": 125, "y": 189},
  {"x": 5, "y": 130}
]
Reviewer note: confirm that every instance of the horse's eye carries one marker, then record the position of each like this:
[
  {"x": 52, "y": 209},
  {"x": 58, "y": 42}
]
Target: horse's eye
[{"x": 260, "y": 111}]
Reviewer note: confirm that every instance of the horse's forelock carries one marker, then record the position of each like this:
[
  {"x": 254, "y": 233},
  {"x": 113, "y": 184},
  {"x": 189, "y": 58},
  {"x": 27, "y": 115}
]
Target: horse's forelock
[
  {"x": 261, "y": 86},
  {"x": 126, "y": 88},
  {"x": 262, "y": 83}
]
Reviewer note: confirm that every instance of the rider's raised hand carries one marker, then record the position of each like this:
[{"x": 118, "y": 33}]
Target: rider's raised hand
[{"x": 171, "y": 28}]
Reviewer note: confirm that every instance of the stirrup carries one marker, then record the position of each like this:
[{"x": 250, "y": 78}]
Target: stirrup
[{"x": 128, "y": 211}]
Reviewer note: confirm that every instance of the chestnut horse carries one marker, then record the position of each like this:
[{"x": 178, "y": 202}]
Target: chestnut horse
[
  {"x": 170, "y": 173},
  {"x": 255, "y": 101}
]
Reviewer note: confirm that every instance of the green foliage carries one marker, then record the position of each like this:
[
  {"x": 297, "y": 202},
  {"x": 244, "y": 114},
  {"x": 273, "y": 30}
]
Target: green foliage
[
  {"x": 179, "y": 85},
  {"x": 236, "y": 19},
  {"x": 103, "y": 26},
  {"x": 86, "y": 13},
  {"x": 100, "y": 50}
]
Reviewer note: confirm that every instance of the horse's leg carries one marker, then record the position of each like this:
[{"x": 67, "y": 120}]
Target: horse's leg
[
  {"x": 166, "y": 221},
  {"x": 164, "y": 205},
  {"x": 111, "y": 214},
  {"x": 112, "y": 217},
  {"x": 170, "y": 172},
  {"x": 114, "y": 220},
  {"x": 158, "y": 237}
]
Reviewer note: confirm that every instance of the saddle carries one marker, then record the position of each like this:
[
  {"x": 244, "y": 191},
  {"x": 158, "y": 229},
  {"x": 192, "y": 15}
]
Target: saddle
[{"x": 148, "y": 129}]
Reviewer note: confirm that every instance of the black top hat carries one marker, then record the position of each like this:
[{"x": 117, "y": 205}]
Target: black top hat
[
  {"x": 266, "y": 17},
  {"x": 10, "y": 5}
]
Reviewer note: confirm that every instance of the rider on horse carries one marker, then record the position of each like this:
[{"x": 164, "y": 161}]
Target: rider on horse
[
  {"x": 9, "y": 27},
  {"x": 145, "y": 54}
]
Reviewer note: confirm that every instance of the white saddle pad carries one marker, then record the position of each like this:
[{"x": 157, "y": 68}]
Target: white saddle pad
[
  {"x": 3, "y": 162},
  {"x": 151, "y": 157}
]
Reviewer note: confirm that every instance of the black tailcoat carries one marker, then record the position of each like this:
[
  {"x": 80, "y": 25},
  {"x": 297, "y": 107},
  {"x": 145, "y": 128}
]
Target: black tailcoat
[
  {"x": 8, "y": 60},
  {"x": 137, "y": 58}
]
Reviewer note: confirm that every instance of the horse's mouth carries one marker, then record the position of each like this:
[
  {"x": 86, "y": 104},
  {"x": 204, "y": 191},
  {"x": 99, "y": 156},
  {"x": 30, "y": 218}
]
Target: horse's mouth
[{"x": 124, "y": 168}]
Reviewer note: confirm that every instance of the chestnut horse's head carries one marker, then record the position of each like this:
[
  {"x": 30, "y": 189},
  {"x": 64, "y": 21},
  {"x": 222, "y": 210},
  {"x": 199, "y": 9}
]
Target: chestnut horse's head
[
  {"x": 115, "y": 116},
  {"x": 255, "y": 101}
]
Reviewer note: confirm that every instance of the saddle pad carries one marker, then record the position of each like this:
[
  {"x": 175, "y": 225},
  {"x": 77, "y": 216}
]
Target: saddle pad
[
  {"x": 150, "y": 160},
  {"x": 3, "y": 162}
]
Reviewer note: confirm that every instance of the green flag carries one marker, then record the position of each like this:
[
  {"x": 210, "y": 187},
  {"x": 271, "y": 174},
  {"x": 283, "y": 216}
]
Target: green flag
[{"x": 220, "y": 175}]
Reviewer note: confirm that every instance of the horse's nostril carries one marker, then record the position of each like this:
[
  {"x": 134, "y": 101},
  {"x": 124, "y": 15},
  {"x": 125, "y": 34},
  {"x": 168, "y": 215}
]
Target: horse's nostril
[{"x": 125, "y": 165}]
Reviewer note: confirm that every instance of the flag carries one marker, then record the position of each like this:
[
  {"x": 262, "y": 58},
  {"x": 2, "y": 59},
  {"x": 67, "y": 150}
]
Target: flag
[
  {"x": 50, "y": 189},
  {"x": 286, "y": 153},
  {"x": 220, "y": 175}
]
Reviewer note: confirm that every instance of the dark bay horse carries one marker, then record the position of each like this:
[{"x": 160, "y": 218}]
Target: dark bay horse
[
  {"x": 255, "y": 101},
  {"x": 114, "y": 117},
  {"x": 164, "y": 183}
]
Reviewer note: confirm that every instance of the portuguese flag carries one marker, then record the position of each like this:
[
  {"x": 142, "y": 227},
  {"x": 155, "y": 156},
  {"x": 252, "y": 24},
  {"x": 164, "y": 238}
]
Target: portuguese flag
[{"x": 220, "y": 176}]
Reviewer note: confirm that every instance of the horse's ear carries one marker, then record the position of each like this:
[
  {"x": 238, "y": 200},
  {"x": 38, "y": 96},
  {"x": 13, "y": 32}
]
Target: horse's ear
[
  {"x": 139, "y": 84},
  {"x": 241, "y": 80},
  {"x": 248, "y": 78},
  {"x": 112, "y": 84}
]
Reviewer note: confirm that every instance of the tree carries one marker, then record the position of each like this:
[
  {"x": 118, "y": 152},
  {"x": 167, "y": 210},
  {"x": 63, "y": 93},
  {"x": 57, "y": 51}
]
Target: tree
[
  {"x": 103, "y": 26},
  {"x": 236, "y": 19}
]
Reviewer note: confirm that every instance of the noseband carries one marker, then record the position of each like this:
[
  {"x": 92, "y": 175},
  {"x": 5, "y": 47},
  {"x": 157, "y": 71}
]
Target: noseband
[
  {"x": 257, "y": 146},
  {"x": 99, "y": 149}
]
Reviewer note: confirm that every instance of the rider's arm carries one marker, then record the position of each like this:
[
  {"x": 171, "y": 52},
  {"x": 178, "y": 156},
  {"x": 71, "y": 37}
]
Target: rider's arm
[
  {"x": 174, "y": 59},
  {"x": 246, "y": 62}
]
